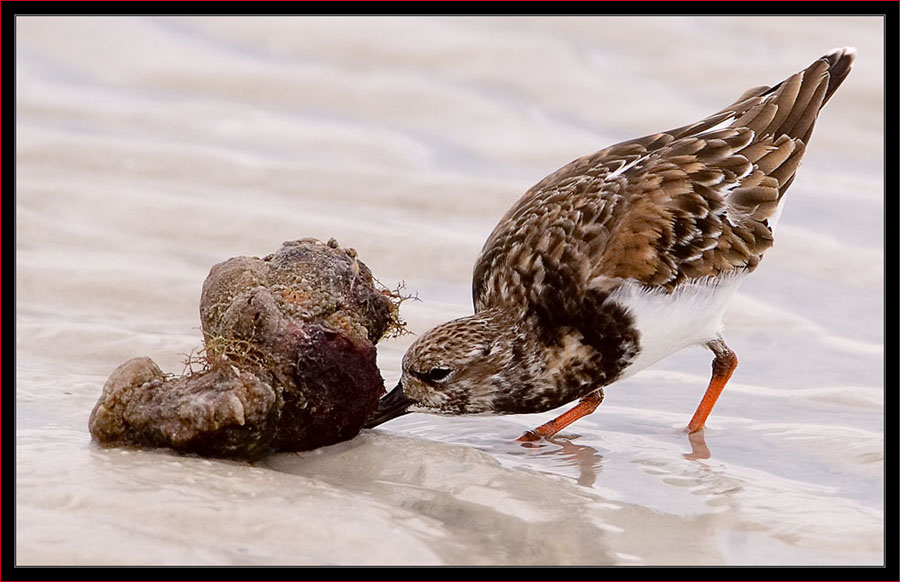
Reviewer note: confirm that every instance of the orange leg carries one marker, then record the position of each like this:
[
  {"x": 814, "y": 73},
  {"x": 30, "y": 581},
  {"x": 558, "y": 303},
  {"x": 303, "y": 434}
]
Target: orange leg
[
  {"x": 586, "y": 406},
  {"x": 722, "y": 367}
]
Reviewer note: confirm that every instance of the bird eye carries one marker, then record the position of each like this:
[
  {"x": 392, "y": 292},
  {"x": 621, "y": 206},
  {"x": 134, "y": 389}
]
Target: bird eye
[{"x": 436, "y": 374}]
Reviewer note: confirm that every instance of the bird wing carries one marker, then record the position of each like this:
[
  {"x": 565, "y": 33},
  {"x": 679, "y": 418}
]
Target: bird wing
[
  {"x": 702, "y": 204},
  {"x": 682, "y": 204}
]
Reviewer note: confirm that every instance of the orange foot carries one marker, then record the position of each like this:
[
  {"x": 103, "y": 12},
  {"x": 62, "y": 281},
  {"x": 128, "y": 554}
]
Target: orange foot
[{"x": 586, "y": 406}]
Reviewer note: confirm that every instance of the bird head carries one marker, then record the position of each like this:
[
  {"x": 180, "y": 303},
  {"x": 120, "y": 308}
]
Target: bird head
[{"x": 455, "y": 368}]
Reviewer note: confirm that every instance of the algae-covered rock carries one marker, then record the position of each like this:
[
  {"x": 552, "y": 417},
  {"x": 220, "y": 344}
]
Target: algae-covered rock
[
  {"x": 308, "y": 281},
  {"x": 288, "y": 362}
]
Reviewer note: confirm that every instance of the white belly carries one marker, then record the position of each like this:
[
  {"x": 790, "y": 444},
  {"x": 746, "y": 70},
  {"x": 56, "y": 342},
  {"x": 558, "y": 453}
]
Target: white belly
[{"x": 668, "y": 323}]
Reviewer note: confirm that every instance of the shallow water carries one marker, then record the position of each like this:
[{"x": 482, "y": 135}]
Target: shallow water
[{"x": 149, "y": 149}]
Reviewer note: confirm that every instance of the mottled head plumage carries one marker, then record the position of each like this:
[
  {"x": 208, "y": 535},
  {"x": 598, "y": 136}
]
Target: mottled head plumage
[{"x": 445, "y": 370}]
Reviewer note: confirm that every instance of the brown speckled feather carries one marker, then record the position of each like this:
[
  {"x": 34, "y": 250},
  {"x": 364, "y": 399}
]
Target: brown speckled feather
[
  {"x": 618, "y": 260},
  {"x": 683, "y": 204}
]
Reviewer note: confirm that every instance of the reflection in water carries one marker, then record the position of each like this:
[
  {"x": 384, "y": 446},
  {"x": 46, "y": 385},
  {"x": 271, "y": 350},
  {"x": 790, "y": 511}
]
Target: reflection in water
[
  {"x": 586, "y": 458},
  {"x": 699, "y": 450},
  {"x": 566, "y": 453},
  {"x": 563, "y": 451},
  {"x": 461, "y": 505}
]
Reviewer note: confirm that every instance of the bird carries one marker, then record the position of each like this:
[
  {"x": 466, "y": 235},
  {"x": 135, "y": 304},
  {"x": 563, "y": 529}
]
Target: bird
[{"x": 619, "y": 259}]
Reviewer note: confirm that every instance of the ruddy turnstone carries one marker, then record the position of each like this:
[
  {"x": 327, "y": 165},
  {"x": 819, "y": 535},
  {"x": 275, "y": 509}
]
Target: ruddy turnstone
[{"x": 619, "y": 259}]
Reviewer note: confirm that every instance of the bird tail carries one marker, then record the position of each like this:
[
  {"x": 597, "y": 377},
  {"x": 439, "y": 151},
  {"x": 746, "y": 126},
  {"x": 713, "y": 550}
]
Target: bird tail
[
  {"x": 781, "y": 119},
  {"x": 840, "y": 61},
  {"x": 790, "y": 108}
]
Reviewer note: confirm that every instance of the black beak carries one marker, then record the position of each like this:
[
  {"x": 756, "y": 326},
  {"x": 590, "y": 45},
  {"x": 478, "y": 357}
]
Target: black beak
[{"x": 391, "y": 405}]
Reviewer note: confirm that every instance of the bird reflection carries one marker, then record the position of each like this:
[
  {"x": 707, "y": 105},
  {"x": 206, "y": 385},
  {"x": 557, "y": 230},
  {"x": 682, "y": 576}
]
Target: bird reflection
[
  {"x": 562, "y": 449},
  {"x": 587, "y": 459},
  {"x": 699, "y": 450}
]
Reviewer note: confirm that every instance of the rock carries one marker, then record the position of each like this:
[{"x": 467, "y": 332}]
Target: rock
[
  {"x": 289, "y": 360},
  {"x": 308, "y": 281},
  {"x": 219, "y": 411}
]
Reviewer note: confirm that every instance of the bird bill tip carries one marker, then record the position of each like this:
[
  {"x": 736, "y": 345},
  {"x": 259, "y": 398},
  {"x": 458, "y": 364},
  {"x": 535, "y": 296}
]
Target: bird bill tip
[{"x": 393, "y": 404}]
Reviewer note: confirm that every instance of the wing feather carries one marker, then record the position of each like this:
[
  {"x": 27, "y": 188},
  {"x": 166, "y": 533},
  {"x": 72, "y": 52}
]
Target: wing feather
[{"x": 682, "y": 204}]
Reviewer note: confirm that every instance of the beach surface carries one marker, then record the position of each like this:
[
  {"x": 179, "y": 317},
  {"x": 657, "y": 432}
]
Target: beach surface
[{"x": 149, "y": 149}]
